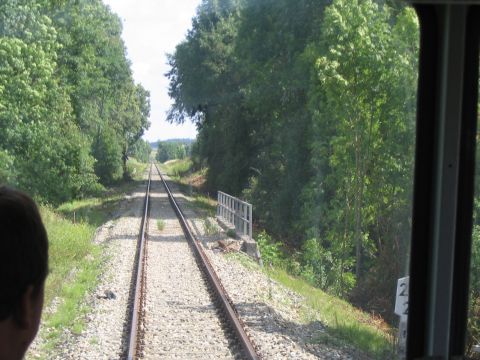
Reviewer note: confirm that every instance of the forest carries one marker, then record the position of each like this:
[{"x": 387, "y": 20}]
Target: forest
[
  {"x": 306, "y": 109},
  {"x": 173, "y": 149},
  {"x": 70, "y": 111}
]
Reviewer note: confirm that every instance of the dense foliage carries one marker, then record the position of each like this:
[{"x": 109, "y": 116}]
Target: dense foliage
[
  {"x": 69, "y": 108},
  {"x": 141, "y": 150},
  {"x": 306, "y": 108},
  {"x": 173, "y": 149}
]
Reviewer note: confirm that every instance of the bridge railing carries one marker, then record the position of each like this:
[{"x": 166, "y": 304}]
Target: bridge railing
[{"x": 235, "y": 212}]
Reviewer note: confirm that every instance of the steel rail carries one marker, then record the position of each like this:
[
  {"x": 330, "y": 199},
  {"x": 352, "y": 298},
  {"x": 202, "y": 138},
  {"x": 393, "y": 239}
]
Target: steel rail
[
  {"x": 212, "y": 277},
  {"x": 133, "y": 336}
]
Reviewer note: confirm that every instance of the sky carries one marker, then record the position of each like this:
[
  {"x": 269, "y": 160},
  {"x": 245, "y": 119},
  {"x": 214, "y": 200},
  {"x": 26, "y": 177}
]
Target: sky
[{"x": 152, "y": 29}]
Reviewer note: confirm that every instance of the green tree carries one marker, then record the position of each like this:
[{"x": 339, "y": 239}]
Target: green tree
[
  {"x": 107, "y": 149},
  {"x": 141, "y": 150},
  {"x": 366, "y": 90},
  {"x": 50, "y": 156},
  {"x": 95, "y": 70}
]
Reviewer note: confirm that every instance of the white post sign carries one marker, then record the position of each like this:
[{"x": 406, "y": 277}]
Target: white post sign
[
  {"x": 401, "y": 301},
  {"x": 401, "y": 309}
]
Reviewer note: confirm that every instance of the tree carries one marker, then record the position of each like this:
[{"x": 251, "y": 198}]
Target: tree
[
  {"x": 95, "y": 69},
  {"x": 50, "y": 156},
  {"x": 141, "y": 150},
  {"x": 364, "y": 85},
  {"x": 306, "y": 108}
]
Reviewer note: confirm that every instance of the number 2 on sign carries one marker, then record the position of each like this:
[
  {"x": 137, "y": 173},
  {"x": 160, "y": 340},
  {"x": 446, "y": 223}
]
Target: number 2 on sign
[{"x": 405, "y": 304}]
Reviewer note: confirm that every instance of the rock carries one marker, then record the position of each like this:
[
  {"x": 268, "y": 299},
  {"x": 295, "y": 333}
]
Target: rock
[{"x": 229, "y": 245}]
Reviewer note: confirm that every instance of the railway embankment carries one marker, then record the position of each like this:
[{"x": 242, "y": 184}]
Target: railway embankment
[{"x": 286, "y": 315}]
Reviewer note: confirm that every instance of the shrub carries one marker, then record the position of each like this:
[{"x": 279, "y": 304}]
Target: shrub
[
  {"x": 209, "y": 227},
  {"x": 270, "y": 251},
  {"x": 160, "y": 224}
]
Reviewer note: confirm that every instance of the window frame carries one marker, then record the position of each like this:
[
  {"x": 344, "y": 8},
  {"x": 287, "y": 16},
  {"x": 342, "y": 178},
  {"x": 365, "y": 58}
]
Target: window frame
[{"x": 444, "y": 160}]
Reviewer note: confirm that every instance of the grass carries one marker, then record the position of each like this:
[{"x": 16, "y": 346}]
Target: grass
[
  {"x": 96, "y": 210},
  {"x": 180, "y": 171},
  {"x": 136, "y": 169},
  {"x": 74, "y": 269},
  {"x": 160, "y": 224},
  {"x": 75, "y": 261},
  {"x": 204, "y": 203},
  {"x": 345, "y": 324},
  {"x": 93, "y": 211},
  {"x": 176, "y": 169},
  {"x": 209, "y": 227},
  {"x": 343, "y": 321}
]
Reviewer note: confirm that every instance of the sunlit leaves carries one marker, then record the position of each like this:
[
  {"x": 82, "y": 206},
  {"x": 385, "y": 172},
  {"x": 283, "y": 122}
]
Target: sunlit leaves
[
  {"x": 308, "y": 107},
  {"x": 63, "y": 75}
]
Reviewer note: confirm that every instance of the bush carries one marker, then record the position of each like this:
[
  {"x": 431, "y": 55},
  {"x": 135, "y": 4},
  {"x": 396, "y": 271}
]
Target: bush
[
  {"x": 179, "y": 167},
  {"x": 270, "y": 251},
  {"x": 315, "y": 263}
]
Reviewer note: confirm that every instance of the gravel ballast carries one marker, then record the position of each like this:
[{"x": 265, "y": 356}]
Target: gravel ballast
[
  {"x": 180, "y": 320},
  {"x": 273, "y": 315},
  {"x": 103, "y": 335}
]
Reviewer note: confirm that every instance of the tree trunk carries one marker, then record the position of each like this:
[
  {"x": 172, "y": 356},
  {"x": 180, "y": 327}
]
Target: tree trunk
[
  {"x": 357, "y": 212},
  {"x": 124, "y": 163}
]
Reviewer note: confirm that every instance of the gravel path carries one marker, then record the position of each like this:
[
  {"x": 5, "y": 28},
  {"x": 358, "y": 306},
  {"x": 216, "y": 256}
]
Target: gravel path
[{"x": 181, "y": 322}]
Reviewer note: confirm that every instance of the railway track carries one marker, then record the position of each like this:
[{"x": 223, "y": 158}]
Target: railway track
[{"x": 180, "y": 308}]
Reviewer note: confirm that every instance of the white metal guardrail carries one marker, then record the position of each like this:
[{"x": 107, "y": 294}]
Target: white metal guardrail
[{"x": 235, "y": 212}]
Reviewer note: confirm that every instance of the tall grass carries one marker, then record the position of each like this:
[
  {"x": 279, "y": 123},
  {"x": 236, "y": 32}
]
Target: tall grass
[
  {"x": 136, "y": 169},
  {"x": 178, "y": 168},
  {"x": 74, "y": 269},
  {"x": 343, "y": 321}
]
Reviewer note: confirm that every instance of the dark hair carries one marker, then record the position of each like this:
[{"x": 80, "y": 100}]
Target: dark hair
[{"x": 23, "y": 249}]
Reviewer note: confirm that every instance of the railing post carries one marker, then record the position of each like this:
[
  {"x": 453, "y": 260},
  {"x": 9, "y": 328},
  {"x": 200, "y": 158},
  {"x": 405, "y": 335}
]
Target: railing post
[
  {"x": 237, "y": 217},
  {"x": 245, "y": 216},
  {"x": 223, "y": 206},
  {"x": 250, "y": 221},
  {"x": 236, "y": 212},
  {"x": 230, "y": 217},
  {"x": 229, "y": 209}
]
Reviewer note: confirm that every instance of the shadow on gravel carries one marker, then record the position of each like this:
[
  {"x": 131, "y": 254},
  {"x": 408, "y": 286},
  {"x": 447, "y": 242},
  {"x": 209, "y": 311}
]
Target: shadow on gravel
[
  {"x": 167, "y": 238},
  {"x": 313, "y": 337}
]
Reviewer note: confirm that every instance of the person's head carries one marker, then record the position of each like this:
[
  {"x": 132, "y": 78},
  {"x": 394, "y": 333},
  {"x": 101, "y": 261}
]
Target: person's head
[{"x": 23, "y": 269}]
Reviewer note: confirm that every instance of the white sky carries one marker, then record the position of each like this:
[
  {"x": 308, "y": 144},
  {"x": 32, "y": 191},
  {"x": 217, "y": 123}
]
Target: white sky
[{"x": 151, "y": 29}]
